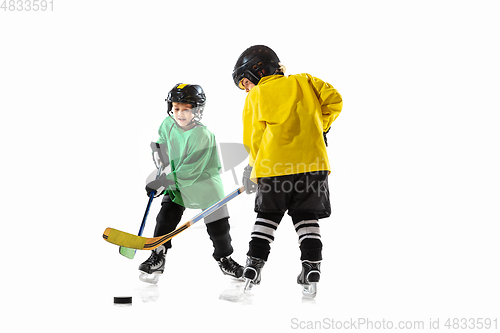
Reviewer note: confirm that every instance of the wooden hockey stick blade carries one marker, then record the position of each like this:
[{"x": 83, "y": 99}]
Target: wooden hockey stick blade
[
  {"x": 131, "y": 241},
  {"x": 124, "y": 239}
]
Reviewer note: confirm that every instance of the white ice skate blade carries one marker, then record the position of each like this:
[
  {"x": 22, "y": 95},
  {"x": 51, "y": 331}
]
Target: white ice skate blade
[
  {"x": 150, "y": 278},
  {"x": 309, "y": 290},
  {"x": 248, "y": 285}
]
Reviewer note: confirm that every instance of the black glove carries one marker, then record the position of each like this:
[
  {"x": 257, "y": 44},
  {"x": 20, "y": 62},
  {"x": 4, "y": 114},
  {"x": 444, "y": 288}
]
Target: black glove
[
  {"x": 250, "y": 186},
  {"x": 159, "y": 185}
]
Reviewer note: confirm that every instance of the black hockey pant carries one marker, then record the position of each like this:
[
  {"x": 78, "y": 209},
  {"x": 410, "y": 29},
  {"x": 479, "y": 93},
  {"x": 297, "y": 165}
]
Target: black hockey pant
[
  {"x": 307, "y": 228},
  {"x": 169, "y": 217}
]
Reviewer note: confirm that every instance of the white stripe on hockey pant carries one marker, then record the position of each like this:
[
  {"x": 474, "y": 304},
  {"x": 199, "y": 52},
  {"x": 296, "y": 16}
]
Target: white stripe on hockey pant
[
  {"x": 309, "y": 236},
  {"x": 263, "y": 229},
  {"x": 305, "y": 222},
  {"x": 263, "y": 237},
  {"x": 259, "y": 219},
  {"x": 266, "y": 230},
  {"x": 312, "y": 231},
  {"x": 308, "y": 230}
]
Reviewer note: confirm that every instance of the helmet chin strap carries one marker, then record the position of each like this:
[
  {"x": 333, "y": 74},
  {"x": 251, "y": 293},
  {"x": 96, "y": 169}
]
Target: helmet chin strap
[{"x": 196, "y": 119}]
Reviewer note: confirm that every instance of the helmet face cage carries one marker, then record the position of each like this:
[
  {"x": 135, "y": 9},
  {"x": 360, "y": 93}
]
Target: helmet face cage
[
  {"x": 243, "y": 73},
  {"x": 254, "y": 63},
  {"x": 190, "y": 94}
]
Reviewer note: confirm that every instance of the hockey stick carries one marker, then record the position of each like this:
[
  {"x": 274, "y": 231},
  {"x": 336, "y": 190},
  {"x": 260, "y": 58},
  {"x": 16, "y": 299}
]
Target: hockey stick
[
  {"x": 142, "y": 243},
  {"x": 126, "y": 251}
]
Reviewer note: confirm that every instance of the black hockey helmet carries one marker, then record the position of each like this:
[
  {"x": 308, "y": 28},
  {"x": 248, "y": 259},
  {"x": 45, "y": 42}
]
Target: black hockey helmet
[
  {"x": 187, "y": 93},
  {"x": 254, "y": 63}
]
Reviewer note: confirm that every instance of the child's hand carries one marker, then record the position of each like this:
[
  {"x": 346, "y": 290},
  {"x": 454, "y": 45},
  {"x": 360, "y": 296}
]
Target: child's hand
[
  {"x": 250, "y": 186},
  {"x": 159, "y": 185}
]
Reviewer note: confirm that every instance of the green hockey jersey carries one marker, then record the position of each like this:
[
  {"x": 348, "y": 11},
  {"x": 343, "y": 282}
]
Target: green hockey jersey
[{"x": 194, "y": 163}]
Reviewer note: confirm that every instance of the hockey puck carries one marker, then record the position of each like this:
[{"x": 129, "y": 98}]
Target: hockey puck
[{"x": 122, "y": 300}]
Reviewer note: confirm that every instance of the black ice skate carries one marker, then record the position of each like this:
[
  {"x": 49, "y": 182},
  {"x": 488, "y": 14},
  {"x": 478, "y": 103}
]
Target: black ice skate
[
  {"x": 230, "y": 267},
  {"x": 153, "y": 267},
  {"x": 309, "y": 277},
  {"x": 252, "y": 270}
]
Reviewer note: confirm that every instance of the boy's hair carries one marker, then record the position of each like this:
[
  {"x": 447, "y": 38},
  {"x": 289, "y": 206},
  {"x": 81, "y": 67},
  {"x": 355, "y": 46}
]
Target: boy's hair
[
  {"x": 190, "y": 94},
  {"x": 254, "y": 63}
]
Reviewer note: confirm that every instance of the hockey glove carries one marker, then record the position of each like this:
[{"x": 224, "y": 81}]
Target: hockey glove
[
  {"x": 159, "y": 185},
  {"x": 160, "y": 156},
  {"x": 250, "y": 186}
]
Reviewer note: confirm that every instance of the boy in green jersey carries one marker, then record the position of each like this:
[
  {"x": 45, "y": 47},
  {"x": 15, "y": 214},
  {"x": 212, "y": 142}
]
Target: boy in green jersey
[{"x": 194, "y": 181}]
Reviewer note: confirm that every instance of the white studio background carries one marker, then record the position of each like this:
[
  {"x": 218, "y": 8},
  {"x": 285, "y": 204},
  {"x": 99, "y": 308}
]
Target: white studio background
[{"x": 414, "y": 188}]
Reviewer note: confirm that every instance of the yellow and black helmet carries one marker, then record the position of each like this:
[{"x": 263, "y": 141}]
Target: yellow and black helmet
[{"x": 187, "y": 93}]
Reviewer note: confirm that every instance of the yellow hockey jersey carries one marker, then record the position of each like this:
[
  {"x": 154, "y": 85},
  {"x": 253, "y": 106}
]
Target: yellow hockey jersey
[{"x": 284, "y": 118}]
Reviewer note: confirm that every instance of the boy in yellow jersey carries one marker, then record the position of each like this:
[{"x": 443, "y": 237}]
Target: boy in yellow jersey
[{"x": 285, "y": 121}]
